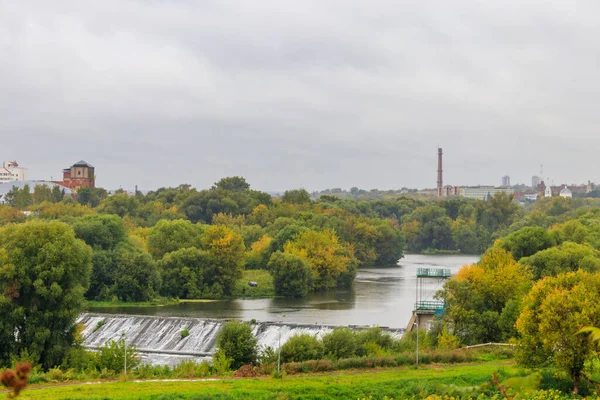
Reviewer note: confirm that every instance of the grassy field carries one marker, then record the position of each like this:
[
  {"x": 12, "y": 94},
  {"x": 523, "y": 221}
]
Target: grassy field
[
  {"x": 457, "y": 381},
  {"x": 263, "y": 278}
]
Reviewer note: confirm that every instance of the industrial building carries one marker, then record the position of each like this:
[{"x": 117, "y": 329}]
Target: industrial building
[{"x": 483, "y": 192}]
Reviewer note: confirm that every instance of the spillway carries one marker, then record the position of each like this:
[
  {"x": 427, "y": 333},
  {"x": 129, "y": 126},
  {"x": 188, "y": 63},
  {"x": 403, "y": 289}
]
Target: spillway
[{"x": 159, "y": 341}]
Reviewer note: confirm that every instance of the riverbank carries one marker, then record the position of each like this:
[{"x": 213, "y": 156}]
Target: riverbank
[
  {"x": 264, "y": 289},
  {"x": 456, "y": 380}
]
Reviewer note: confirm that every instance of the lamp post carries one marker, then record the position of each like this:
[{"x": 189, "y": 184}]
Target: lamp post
[
  {"x": 125, "y": 353},
  {"x": 279, "y": 349},
  {"x": 417, "y": 347}
]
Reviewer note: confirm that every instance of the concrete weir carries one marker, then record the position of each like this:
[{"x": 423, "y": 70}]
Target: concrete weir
[{"x": 159, "y": 341}]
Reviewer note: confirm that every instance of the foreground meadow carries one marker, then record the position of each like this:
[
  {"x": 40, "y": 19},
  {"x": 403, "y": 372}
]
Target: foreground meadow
[{"x": 457, "y": 381}]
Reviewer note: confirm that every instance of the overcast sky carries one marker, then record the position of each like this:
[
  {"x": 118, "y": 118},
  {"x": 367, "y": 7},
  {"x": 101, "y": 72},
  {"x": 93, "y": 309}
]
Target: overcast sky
[{"x": 311, "y": 93}]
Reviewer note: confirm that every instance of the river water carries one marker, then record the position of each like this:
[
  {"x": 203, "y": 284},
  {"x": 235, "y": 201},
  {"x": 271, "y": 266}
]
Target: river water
[{"x": 380, "y": 296}]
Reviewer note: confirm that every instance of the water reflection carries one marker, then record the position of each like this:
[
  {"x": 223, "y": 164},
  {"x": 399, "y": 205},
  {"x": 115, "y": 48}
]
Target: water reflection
[{"x": 380, "y": 296}]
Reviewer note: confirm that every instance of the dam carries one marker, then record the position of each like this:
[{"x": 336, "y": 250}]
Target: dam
[{"x": 159, "y": 340}]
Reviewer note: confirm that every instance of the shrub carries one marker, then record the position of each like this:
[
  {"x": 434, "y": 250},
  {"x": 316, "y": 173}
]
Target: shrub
[
  {"x": 221, "y": 364},
  {"x": 372, "y": 335},
  {"x": 301, "y": 348},
  {"x": 339, "y": 343},
  {"x": 111, "y": 356},
  {"x": 185, "y": 333},
  {"x": 237, "y": 343}
]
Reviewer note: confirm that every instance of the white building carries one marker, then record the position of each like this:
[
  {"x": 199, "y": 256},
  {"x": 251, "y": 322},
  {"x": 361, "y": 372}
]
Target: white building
[
  {"x": 531, "y": 196},
  {"x": 566, "y": 193},
  {"x": 548, "y": 192},
  {"x": 11, "y": 172},
  {"x": 482, "y": 192}
]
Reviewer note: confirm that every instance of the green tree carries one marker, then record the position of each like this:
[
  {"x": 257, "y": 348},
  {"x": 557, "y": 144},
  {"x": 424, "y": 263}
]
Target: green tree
[
  {"x": 428, "y": 227},
  {"x": 554, "y": 312},
  {"x": 44, "y": 273},
  {"x": 136, "y": 276},
  {"x": 100, "y": 231},
  {"x": 236, "y": 341},
  {"x": 339, "y": 343},
  {"x": 302, "y": 347},
  {"x": 292, "y": 275},
  {"x": 183, "y": 271},
  {"x": 58, "y": 194},
  {"x": 527, "y": 241},
  {"x": 121, "y": 204},
  {"x": 564, "y": 258},
  {"x": 41, "y": 193},
  {"x": 91, "y": 196},
  {"x": 296, "y": 196},
  {"x": 234, "y": 183},
  {"x": 167, "y": 236}
]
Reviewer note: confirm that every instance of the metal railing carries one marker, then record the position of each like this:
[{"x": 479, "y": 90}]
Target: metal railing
[
  {"x": 429, "y": 305},
  {"x": 433, "y": 273}
]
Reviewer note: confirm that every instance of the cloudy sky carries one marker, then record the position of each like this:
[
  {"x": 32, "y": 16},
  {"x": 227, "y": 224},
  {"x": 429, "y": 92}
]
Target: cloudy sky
[{"x": 311, "y": 93}]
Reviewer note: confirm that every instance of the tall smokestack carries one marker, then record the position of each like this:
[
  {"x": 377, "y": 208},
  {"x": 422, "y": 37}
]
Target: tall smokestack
[{"x": 440, "y": 182}]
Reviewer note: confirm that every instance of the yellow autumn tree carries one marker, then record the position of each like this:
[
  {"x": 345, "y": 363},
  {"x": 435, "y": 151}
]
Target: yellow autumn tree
[
  {"x": 332, "y": 263},
  {"x": 258, "y": 255},
  {"x": 482, "y": 302}
]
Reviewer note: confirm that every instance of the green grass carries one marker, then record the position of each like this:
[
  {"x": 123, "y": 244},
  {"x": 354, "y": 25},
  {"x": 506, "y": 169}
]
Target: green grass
[
  {"x": 263, "y": 278},
  {"x": 458, "y": 381}
]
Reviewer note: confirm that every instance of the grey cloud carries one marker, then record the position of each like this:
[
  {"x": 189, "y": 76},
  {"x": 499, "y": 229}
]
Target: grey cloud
[{"x": 313, "y": 93}]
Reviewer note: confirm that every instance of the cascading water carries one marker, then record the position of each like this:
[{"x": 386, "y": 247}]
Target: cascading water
[{"x": 159, "y": 339}]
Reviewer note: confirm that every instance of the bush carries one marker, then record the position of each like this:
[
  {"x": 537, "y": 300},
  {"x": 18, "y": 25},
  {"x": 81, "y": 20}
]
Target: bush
[
  {"x": 301, "y": 348},
  {"x": 185, "y": 333},
  {"x": 111, "y": 357},
  {"x": 373, "y": 336},
  {"x": 237, "y": 343},
  {"x": 339, "y": 343},
  {"x": 292, "y": 275}
]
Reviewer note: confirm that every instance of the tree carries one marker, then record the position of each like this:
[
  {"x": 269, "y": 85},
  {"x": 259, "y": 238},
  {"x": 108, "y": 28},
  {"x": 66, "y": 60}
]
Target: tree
[
  {"x": 19, "y": 198},
  {"x": 167, "y": 236},
  {"x": 236, "y": 341},
  {"x": 479, "y": 301},
  {"x": 58, "y": 194},
  {"x": 182, "y": 273},
  {"x": 136, "y": 276},
  {"x": 554, "y": 312},
  {"x": 527, "y": 241},
  {"x": 233, "y": 183},
  {"x": 428, "y": 227},
  {"x": 91, "y": 196},
  {"x": 226, "y": 250},
  {"x": 332, "y": 264},
  {"x": 339, "y": 343},
  {"x": 296, "y": 196},
  {"x": 100, "y": 231},
  {"x": 121, "y": 204},
  {"x": 284, "y": 235},
  {"x": 41, "y": 193},
  {"x": 44, "y": 273},
  {"x": 564, "y": 258},
  {"x": 292, "y": 275}
]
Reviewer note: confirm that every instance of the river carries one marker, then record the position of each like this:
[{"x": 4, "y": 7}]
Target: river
[{"x": 380, "y": 296}]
